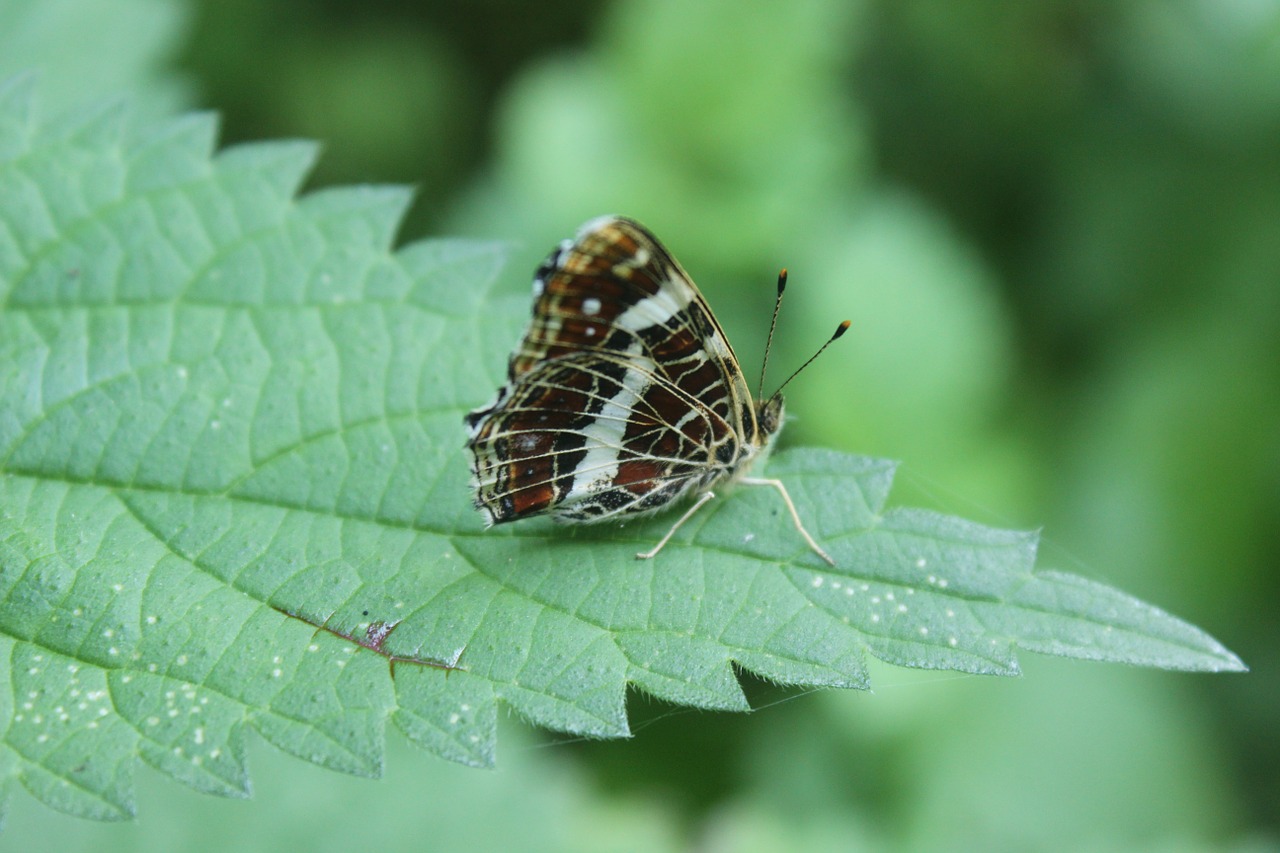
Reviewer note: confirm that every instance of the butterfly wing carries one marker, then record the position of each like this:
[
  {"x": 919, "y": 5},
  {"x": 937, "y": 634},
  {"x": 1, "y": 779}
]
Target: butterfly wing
[
  {"x": 623, "y": 395},
  {"x": 579, "y": 436}
]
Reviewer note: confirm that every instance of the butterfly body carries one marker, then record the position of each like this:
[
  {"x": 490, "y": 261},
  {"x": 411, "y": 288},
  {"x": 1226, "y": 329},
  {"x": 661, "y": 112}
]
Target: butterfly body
[{"x": 624, "y": 395}]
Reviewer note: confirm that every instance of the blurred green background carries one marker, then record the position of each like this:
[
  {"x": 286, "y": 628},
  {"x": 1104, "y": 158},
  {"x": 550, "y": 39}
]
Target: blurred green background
[{"x": 1056, "y": 228}]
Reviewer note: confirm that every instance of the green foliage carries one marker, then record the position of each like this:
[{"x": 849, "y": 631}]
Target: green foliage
[
  {"x": 233, "y": 498},
  {"x": 87, "y": 49},
  {"x": 301, "y": 806}
]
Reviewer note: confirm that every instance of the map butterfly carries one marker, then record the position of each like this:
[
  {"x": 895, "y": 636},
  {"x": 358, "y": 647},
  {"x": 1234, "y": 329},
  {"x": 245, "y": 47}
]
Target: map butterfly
[{"x": 624, "y": 395}]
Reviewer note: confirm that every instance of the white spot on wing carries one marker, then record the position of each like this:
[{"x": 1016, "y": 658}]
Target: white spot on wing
[
  {"x": 605, "y": 433},
  {"x": 656, "y": 310}
]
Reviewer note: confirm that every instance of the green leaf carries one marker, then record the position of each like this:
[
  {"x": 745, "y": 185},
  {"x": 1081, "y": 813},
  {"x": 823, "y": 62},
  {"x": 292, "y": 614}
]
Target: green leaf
[{"x": 233, "y": 497}]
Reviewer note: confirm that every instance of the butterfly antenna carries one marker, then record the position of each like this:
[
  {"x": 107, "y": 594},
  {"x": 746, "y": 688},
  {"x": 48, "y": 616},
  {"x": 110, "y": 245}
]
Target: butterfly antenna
[
  {"x": 773, "y": 324},
  {"x": 840, "y": 330}
]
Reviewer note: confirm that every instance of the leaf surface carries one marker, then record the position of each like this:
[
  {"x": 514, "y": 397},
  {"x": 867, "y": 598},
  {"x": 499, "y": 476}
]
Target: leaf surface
[{"x": 233, "y": 496}]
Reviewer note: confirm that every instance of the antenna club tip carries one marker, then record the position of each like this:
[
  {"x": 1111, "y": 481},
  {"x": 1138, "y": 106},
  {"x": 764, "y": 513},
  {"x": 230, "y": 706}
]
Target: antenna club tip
[
  {"x": 841, "y": 329},
  {"x": 782, "y": 280}
]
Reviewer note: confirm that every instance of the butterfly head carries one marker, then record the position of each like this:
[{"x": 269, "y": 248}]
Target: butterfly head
[{"x": 769, "y": 415}]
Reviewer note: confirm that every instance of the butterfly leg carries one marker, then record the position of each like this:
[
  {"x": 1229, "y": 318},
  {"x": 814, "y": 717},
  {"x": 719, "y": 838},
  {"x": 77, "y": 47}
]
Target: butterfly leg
[
  {"x": 795, "y": 516},
  {"x": 703, "y": 498}
]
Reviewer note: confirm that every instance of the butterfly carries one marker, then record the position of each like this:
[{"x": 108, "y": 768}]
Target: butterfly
[{"x": 624, "y": 395}]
